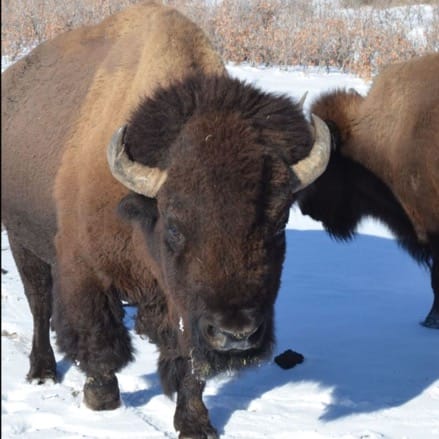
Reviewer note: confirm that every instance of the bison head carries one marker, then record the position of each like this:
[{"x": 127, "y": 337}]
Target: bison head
[{"x": 214, "y": 165}]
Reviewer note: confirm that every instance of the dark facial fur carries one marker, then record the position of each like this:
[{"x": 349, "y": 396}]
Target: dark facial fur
[{"x": 216, "y": 229}]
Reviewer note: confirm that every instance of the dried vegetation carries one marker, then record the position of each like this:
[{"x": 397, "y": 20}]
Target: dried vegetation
[{"x": 358, "y": 36}]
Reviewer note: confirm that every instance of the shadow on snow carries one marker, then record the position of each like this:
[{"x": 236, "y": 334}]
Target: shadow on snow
[{"x": 353, "y": 310}]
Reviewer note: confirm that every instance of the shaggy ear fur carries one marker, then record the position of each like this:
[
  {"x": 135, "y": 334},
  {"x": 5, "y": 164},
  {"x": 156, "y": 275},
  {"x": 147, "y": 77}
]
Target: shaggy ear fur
[
  {"x": 339, "y": 109},
  {"x": 135, "y": 207}
]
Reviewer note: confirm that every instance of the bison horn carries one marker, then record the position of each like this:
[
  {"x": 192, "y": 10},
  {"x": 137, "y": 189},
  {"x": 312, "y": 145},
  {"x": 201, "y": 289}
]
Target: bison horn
[
  {"x": 312, "y": 166},
  {"x": 139, "y": 178},
  {"x": 302, "y": 99}
]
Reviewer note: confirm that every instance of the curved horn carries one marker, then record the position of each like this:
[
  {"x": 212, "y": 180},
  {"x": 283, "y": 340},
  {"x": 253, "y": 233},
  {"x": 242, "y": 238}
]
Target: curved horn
[
  {"x": 139, "y": 178},
  {"x": 302, "y": 99},
  {"x": 312, "y": 166}
]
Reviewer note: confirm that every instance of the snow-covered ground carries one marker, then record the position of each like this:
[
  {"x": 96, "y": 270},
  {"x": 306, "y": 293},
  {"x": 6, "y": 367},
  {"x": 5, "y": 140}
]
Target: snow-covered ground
[{"x": 353, "y": 310}]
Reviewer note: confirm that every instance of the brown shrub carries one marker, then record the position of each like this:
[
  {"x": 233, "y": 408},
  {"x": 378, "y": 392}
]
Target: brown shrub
[{"x": 281, "y": 32}]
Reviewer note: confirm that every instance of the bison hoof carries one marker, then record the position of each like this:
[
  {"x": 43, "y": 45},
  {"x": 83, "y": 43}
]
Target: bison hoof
[
  {"x": 194, "y": 430},
  {"x": 41, "y": 377},
  {"x": 203, "y": 435},
  {"x": 431, "y": 321},
  {"x": 102, "y": 393},
  {"x": 42, "y": 371}
]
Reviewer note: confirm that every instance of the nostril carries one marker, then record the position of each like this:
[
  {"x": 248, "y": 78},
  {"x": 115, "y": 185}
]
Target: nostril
[{"x": 211, "y": 331}]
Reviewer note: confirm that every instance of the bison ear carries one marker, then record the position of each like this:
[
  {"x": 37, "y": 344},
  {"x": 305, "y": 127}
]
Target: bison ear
[{"x": 135, "y": 207}]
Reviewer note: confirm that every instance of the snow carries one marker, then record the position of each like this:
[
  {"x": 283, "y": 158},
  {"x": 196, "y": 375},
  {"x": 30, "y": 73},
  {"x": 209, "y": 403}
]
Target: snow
[{"x": 353, "y": 310}]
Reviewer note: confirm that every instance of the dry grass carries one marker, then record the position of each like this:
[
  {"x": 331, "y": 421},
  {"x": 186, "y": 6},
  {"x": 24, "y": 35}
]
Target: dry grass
[
  {"x": 283, "y": 32},
  {"x": 382, "y": 4}
]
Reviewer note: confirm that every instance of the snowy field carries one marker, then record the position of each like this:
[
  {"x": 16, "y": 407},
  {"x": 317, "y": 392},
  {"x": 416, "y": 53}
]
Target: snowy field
[{"x": 353, "y": 310}]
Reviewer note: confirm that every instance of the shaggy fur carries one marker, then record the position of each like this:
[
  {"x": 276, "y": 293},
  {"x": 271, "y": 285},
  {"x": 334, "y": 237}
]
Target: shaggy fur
[
  {"x": 209, "y": 248},
  {"x": 278, "y": 122},
  {"x": 385, "y": 162}
]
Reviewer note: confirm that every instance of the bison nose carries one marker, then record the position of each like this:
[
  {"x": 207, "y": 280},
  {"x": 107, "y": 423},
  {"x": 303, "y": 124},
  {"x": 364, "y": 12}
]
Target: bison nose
[{"x": 228, "y": 339}]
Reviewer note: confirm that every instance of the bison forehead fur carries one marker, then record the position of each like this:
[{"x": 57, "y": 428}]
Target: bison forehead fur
[{"x": 273, "y": 122}]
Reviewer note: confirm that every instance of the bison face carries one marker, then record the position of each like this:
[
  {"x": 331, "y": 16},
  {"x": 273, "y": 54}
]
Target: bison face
[
  {"x": 220, "y": 272},
  {"x": 214, "y": 238},
  {"x": 215, "y": 164}
]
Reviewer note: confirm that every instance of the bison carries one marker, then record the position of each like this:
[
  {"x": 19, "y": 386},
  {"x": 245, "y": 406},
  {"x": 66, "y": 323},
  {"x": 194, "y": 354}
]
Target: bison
[
  {"x": 385, "y": 162},
  {"x": 182, "y": 214}
]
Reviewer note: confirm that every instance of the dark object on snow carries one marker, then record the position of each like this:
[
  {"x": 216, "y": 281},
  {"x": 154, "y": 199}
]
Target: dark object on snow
[
  {"x": 4, "y": 271},
  {"x": 289, "y": 359}
]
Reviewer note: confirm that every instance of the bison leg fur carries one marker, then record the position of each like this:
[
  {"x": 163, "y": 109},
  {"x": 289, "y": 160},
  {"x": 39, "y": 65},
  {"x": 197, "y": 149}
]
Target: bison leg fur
[
  {"x": 191, "y": 417},
  {"x": 90, "y": 330},
  {"x": 432, "y": 319},
  {"x": 37, "y": 281}
]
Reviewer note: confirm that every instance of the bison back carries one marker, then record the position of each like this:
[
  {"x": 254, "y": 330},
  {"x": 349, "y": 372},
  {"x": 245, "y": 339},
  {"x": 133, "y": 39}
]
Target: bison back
[{"x": 62, "y": 102}]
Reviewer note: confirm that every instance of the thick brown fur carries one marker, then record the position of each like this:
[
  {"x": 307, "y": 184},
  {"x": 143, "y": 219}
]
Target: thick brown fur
[
  {"x": 385, "y": 161},
  {"x": 204, "y": 255}
]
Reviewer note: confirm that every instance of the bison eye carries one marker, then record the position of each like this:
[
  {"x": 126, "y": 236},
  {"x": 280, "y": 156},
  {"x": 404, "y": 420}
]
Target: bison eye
[{"x": 174, "y": 238}]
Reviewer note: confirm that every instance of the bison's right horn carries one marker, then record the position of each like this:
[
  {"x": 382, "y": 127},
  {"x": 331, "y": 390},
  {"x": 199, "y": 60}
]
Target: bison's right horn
[
  {"x": 312, "y": 166},
  {"x": 139, "y": 178}
]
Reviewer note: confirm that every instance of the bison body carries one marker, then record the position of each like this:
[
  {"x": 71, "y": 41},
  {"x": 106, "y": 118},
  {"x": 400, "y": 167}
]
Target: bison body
[
  {"x": 385, "y": 162},
  {"x": 181, "y": 211}
]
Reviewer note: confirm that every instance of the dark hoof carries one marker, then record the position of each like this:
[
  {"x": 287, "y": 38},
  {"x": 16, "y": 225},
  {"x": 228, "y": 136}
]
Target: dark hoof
[
  {"x": 42, "y": 371},
  {"x": 212, "y": 434},
  {"x": 41, "y": 377},
  {"x": 431, "y": 321},
  {"x": 191, "y": 429},
  {"x": 102, "y": 393}
]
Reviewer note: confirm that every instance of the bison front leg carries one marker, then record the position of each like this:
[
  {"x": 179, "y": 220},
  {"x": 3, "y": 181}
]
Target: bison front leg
[
  {"x": 89, "y": 326},
  {"x": 191, "y": 417}
]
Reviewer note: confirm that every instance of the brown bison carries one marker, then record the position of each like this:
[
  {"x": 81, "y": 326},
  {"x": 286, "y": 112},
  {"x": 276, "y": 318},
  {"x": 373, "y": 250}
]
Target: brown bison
[
  {"x": 183, "y": 214},
  {"x": 385, "y": 162}
]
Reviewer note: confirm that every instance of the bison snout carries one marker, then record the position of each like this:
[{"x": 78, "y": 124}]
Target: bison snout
[{"x": 223, "y": 338}]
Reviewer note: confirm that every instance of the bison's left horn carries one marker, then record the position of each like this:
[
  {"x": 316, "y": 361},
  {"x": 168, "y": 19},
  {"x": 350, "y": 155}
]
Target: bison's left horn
[
  {"x": 312, "y": 166},
  {"x": 139, "y": 178}
]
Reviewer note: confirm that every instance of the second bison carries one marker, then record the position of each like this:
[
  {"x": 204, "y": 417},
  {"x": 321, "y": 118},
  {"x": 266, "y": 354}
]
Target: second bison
[{"x": 385, "y": 162}]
